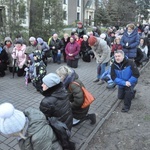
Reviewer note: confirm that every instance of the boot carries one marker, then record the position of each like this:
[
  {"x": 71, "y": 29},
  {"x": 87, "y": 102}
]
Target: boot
[{"x": 92, "y": 117}]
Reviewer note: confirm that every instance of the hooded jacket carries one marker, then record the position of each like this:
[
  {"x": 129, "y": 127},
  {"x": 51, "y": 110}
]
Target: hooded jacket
[
  {"x": 19, "y": 55},
  {"x": 40, "y": 135},
  {"x": 76, "y": 96},
  {"x": 9, "y": 50},
  {"x": 56, "y": 104},
  {"x": 133, "y": 41}
]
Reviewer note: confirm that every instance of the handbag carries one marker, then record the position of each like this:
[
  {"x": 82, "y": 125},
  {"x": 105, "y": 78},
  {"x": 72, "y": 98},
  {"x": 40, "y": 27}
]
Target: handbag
[
  {"x": 77, "y": 56},
  {"x": 88, "y": 97}
]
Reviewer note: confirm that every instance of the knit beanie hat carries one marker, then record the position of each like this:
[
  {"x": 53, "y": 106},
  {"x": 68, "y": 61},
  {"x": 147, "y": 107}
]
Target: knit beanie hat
[
  {"x": 92, "y": 40},
  {"x": 51, "y": 80},
  {"x": 32, "y": 39},
  {"x": 19, "y": 41},
  {"x": 11, "y": 119},
  {"x": 103, "y": 36}
]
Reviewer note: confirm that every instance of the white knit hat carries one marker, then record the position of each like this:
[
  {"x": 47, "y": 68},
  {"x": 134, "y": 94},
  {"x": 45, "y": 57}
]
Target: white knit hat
[
  {"x": 51, "y": 79},
  {"x": 103, "y": 36},
  {"x": 11, "y": 119},
  {"x": 32, "y": 39}
]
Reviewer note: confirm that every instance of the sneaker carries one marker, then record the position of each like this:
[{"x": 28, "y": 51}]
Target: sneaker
[
  {"x": 125, "y": 110},
  {"x": 111, "y": 86},
  {"x": 101, "y": 82},
  {"x": 97, "y": 80},
  {"x": 92, "y": 117},
  {"x": 75, "y": 121}
]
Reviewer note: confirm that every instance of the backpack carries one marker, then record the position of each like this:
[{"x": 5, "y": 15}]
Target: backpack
[
  {"x": 88, "y": 97},
  {"x": 62, "y": 133}
]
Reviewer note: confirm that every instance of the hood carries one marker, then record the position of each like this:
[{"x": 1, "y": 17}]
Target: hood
[
  {"x": 134, "y": 33},
  {"x": 37, "y": 120},
  {"x": 7, "y": 39},
  {"x": 55, "y": 91},
  {"x": 70, "y": 78}
]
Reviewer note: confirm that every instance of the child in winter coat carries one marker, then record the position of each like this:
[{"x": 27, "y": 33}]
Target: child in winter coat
[
  {"x": 107, "y": 78},
  {"x": 39, "y": 70}
]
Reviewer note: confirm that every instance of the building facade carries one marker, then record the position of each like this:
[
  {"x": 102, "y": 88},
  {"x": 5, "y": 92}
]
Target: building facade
[{"x": 78, "y": 10}]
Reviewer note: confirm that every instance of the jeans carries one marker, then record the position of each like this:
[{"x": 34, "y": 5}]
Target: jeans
[
  {"x": 57, "y": 58},
  {"x": 100, "y": 70}
]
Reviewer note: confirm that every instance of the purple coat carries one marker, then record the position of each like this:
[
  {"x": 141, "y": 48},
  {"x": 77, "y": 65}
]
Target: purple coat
[{"x": 72, "y": 48}]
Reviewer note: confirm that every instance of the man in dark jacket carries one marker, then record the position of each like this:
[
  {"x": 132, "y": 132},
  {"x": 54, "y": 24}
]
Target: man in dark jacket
[
  {"x": 56, "y": 46},
  {"x": 125, "y": 74},
  {"x": 56, "y": 101}
]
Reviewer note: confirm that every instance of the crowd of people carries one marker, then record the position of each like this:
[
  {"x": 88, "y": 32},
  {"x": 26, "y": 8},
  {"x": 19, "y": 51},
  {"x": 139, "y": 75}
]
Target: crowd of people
[{"x": 121, "y": 51}]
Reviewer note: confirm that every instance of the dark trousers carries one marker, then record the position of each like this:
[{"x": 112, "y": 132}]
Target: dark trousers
[
  {"x": 57, "y": 58},
  {"x": 127, "y": 94},
  {"x": 72, "y": 63}
]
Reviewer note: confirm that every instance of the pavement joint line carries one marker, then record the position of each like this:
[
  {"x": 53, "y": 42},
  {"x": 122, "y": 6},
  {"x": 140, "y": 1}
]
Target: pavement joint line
[{"x": 115, "y": 105}]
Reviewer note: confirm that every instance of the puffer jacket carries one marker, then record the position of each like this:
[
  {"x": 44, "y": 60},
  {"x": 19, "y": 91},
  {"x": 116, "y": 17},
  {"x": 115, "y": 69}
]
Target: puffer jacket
[
  {"x": 72, "y": 48},
  {"x": 76, "y": 96},
  {"x": 125, "y": 71},
  {"x": 101, "y": 51},
  {"x": 9, "y": 49},
  {"x": 19, "y": 55},
  {"x": 133, "y": 41},
  {"x": 56, "y": 104},
  {"x": 40, "y": 135}
]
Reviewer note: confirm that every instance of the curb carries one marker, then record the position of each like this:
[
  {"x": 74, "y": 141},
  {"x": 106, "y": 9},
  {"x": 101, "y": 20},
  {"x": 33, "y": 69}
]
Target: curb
[{"x": 85, "y": 145}]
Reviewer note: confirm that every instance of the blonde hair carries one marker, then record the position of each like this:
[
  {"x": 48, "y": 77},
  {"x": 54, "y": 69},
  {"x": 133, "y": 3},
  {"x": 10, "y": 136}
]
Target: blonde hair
[
  {"x": 63, "y": 72},
  {"x": 131, "y": 25},
  {"x": 19, "y": 134}
]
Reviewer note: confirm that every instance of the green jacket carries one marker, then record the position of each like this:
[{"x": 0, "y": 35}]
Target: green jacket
[{"x": 40, "y": 135}]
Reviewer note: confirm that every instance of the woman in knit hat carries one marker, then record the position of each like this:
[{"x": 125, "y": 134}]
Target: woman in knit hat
[
  {"x": 31, "y": 128},
  {"x": 56, "y": 101},
  {"x": 8, "y": 46},
  {"x": 76, "y": 95}
]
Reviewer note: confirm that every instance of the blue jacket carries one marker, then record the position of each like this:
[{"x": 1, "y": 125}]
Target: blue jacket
[
  {"x": 133, "y": 41},
  {"x": 124, "y": 71}
]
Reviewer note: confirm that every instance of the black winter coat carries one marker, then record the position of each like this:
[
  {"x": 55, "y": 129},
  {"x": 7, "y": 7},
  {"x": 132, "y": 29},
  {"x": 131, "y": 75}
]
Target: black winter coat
[
  {"x": 3, "y": 60},
  {"x": 56, "y": 104}
]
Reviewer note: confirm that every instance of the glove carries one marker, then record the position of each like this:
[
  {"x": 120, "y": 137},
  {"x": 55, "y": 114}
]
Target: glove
[{"x": 128, "y": 47}]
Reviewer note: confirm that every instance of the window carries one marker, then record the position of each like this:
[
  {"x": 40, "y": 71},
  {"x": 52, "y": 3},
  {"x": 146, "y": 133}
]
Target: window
[
  {"x": 78, "y": 16},
  {"x": 65, "y": 15},
  {"x": 1, "y": 18},
  {"x": 78, "y": 3},
  {"x": 22, "y": 11},
  {"x": 65, "y": 2},
  {"x": 46, "y": 10}
]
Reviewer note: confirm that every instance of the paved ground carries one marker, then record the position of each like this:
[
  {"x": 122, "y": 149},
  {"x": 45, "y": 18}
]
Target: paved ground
[{"x": 15, "y": 91}]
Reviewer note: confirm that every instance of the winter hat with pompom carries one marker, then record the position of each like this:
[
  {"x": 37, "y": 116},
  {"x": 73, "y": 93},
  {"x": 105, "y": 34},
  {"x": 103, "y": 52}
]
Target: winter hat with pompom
[{"x": 11, "y": 119}]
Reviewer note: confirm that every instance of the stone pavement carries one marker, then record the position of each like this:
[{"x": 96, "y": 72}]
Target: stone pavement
[{"x": 22, "y": 97}]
